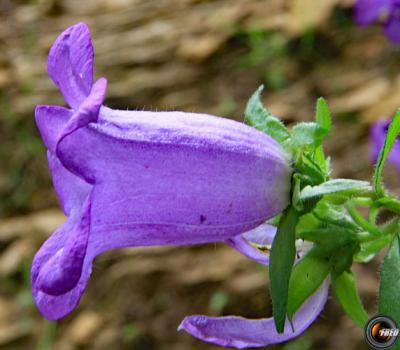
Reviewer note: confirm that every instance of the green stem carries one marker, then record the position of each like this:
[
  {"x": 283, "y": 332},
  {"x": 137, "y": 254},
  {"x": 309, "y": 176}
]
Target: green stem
[
  {"x": 363, "y": 201},
  {"x": 373, "y": 213},
  {"x": 361, "y": 221},
  {"x": 390, "y": 203}
]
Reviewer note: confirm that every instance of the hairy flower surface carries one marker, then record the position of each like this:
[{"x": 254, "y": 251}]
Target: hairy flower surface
[
  {"x": 135, "y": 178},
  {"x": 240, "y": 332},
  {"x": 369, "y": 11}
]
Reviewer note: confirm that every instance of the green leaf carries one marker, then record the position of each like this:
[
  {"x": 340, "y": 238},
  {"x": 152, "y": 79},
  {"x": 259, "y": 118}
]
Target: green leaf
[
  {"x": 345, "y": 289},
  {"x": 342, "y": 259},
  {"x": 306, "y": 134},
  {"x": 310, "y": 169},
  {"x": 259, "y": 117},
  {"x": 330, "y": 238},
  {"x": 323, "y": 115},
  {"x": 333, "y": 186},
  {"x": 369, "y": 249},
  {"x": 319, "y": 158},
  {"x": 334, "y": 214},
  {"x": 389, "y": 291},
  {"x": 307, "y": 275},
  {"x": 283, "y": 252},
  {"x": 393, "y": 132},
  {"x": 323, "y": 119}
]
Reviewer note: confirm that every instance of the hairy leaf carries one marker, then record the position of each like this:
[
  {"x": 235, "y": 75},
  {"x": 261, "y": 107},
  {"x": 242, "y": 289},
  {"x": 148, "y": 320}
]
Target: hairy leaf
[{"x": 389, "y": 291}]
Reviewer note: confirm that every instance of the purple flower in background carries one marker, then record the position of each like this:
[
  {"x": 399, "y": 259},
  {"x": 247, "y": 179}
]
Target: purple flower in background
[
  {"x": 134, "y": 178},
  {"x": 368, "y": 11},
  {"x": 378, "y": 133},
  {"x": 241, "y": 333}
]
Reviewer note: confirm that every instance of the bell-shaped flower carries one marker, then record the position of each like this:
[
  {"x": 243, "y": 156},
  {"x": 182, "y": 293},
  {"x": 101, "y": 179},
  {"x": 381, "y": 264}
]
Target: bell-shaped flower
[
  {"x": 239, "y": 332},
  {"x": 369, "y": 11},
  {"x": 136, "y": 178}
]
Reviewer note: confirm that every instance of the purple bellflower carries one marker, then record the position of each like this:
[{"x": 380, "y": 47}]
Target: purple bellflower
[
  {"x": 135, "y": 178},
  {"x": 368, "y": 11},
  {"x": 377, "y": 137}
]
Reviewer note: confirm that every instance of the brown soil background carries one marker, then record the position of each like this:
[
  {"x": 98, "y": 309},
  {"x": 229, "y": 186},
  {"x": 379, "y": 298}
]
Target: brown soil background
[{"x": 192, "y": 55}]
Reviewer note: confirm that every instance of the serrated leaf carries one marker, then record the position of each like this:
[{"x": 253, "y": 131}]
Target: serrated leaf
[
  {"x": 345, "y": 290},
  {"x": 389, "y": 290},
  {"x": 307, "y": 275},
  {"x": 334, "y": 186},
  {"x": 393, "y": 132},
  {"x": 283, "y": 252},
  {"x": 259, "y": 117}
]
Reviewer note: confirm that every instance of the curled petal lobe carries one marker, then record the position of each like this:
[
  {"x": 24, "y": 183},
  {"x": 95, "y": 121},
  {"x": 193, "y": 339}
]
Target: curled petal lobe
[
  {"x": 88, "y": 111},
  {"x": 250, "y": 243},
  {"x": 63, "y": 270},
  {"x": 70, "y": 64},
  {"x": 368, "y": 11},
  {"x": 238, "y": 332},
  {"x": 51, "y": 121}
]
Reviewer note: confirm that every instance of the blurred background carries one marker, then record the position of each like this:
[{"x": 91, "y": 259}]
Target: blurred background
[{"x": 192, "y": 55}]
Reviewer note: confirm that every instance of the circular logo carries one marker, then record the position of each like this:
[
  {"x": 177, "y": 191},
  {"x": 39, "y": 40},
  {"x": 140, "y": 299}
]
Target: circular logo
[{"x": 381, "y": 332}]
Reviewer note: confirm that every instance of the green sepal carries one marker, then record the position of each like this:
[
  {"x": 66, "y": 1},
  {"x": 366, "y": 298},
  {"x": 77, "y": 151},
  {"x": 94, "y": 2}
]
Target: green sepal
[
  {"x": 342, "y": 259},
  {"x": 313, "y": 174},
  {"x": 345, "y": 289},
  {"x": 282, "y": 256},
  {"x": 307, "y": 275},
  {"x": 259, "y": 117}
]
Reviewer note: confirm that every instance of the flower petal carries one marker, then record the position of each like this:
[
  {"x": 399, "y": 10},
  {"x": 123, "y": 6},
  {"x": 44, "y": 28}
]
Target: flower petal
[
  {"x": 70, "y": 64},
  {"x": 62, "y": 271},
  {"x": 51, "y": 120},
  {"x": 232, "y": 331},
  {"x": 262, "y": 235},
  {"x": 392, "y": 26},
  {"x": 71, "y": 189},
  {"x": 377, "y": 137},
  {"x": 209, "y": 178},
  {"x": 368, "y": 11},
  {"x": 62, "y": 266},
  {"x": 88, "y": 112}
]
